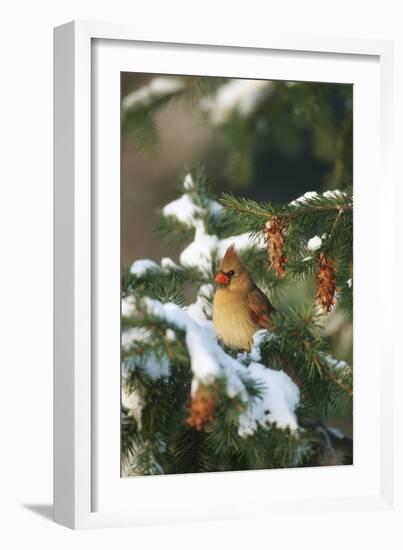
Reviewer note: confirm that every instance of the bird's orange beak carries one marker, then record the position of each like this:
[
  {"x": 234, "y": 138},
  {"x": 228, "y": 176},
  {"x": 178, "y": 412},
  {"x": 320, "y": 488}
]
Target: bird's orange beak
[{"x": 221, "y": 278}]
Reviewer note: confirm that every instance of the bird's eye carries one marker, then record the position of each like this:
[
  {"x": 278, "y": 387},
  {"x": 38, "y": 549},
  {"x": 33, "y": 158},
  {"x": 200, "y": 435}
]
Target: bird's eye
[{"x": 231, "y": 273}]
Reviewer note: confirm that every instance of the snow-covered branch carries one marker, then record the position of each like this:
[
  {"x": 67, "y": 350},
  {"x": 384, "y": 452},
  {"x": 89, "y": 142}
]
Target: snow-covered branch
[{"x": 278, "y": 396}]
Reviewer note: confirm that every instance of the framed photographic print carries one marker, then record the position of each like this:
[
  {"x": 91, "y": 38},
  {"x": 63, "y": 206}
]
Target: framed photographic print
[{"x": 219, "y": 230}]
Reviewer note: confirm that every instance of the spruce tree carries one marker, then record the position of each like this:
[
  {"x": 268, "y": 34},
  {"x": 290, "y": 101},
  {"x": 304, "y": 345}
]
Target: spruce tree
[{"x": 189, "y": 404}]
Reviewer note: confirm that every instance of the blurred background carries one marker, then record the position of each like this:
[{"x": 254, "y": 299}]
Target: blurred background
[{"x": 267, "y": 140}]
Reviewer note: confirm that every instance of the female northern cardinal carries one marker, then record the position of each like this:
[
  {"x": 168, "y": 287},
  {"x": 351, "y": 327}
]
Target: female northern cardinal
[{"x": 239, "y": 308}]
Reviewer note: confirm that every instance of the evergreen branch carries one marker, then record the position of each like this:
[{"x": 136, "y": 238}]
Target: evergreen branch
[
  {"x": 160, "y": 366},
  {"x": 289, "y": 212},
  {"x": 336, "y": 380}
]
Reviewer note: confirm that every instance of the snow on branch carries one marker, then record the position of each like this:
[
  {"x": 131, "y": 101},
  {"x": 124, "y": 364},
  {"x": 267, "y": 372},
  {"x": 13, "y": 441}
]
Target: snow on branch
[
  {"x": 303, "y": 198},
  {"x": 158, "y": 87},
  {"x": 314, "y": 244},
  {"x": 335, "y": 198},
  {"x": 241, "y": 96},
  {"x": 277, "y": 404},
  {"x": 278, "y": 396},
  {"x": 340, "y": 372},
  {"x": 186, "y": 211},
  {"x": 205, "y": 246},
  {"x": 200, "y": 252},
  {"x": 142, "y": 267}
]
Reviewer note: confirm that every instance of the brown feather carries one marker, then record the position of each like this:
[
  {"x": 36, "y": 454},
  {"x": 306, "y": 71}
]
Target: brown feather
[
  {"x": 230, "y": 253},
  {"x": 260, "y": 308}
]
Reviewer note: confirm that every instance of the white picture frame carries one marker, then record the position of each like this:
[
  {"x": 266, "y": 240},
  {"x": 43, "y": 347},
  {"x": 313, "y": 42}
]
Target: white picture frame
[{"x": 88, "y": 491}]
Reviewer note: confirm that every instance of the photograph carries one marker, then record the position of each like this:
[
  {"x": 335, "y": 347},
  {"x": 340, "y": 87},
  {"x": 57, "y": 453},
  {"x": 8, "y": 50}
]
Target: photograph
[{"x": 236, "y": 274}]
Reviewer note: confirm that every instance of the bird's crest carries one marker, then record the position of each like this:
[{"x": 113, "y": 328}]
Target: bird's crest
[
  {"x": 230, "y": 259},
  {"x": 230, "y": 253}
]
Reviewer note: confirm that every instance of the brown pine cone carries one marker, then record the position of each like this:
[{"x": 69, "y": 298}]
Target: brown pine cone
[
  {"x": 201, "y": 408},
  {"x": 325, "y": 283},
  {"x": 275, "y": 245}
]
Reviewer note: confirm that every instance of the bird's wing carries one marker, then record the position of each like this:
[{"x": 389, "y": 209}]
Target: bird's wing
[{"x": 260, "y": 308}]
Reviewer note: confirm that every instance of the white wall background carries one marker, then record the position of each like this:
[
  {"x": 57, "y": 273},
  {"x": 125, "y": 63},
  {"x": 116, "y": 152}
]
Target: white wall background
[{"x": 26, "y": 262}]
